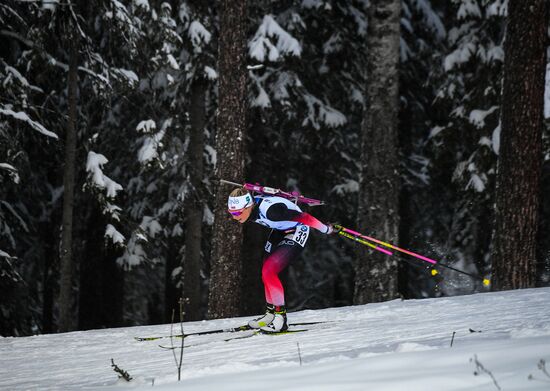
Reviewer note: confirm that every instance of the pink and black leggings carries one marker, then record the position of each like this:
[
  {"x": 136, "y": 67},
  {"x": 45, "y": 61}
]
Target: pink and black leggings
[{"x": 280, "y": 251}]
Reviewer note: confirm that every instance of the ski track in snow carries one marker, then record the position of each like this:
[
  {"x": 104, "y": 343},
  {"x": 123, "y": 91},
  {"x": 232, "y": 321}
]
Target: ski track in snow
[{"x": 395, "y": 345}]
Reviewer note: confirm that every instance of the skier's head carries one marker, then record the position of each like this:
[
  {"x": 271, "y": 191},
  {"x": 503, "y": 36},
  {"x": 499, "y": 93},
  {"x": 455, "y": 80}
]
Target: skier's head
[{"x": 239, "y": 204}]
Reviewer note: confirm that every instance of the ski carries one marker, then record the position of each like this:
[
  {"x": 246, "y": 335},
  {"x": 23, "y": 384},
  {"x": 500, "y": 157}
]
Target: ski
[
  {"x": 217, "y": 331},
  {"x": 281, "y": 332},
  {"x": 247, "y": 335},
  {"x": 253, "y": 333}
]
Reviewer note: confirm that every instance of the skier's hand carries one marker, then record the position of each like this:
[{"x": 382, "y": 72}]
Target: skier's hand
[{"x": 330, "y": 229}]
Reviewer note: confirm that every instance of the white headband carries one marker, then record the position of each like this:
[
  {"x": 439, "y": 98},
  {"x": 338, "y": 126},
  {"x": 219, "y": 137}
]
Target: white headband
[{"x": 238, "y": 203}]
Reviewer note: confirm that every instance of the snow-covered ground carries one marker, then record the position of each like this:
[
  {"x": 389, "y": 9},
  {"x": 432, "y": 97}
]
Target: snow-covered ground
[{"x": 397, "y": 345}]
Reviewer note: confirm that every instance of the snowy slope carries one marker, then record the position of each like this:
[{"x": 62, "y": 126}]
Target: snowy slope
[{"x": 397, "y": 345}]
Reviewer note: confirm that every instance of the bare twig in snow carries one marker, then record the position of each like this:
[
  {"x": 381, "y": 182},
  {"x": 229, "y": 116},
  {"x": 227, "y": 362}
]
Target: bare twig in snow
[
  {"x": 179, "y": 361},
  {"x": 481, "y": 368},
  {"x": 122, "y": 373},
  {"x": 182, "y": 339},
  {"x": 453, "y": 338},
  {"x": 542, "y": 367}
]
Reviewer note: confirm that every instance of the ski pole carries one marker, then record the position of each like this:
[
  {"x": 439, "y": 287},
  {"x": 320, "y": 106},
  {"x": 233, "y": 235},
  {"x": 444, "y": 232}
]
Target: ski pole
[
  {"x": 362, "y": 241},
  {"x": 339, "y": 228},
  {"x": 357, "y": 239},
  {"x": 433, "y": 271}
]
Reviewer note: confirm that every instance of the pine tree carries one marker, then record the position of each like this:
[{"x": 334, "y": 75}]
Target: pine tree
[
  {"x": 201, "y": 58},
  {"x": 24, "y": 135},
  {"x": 423, "y": 41},
  {"x": 231, "y": 131},
  {"x": 66, "y": 284},
  {"x": 376, "y": 274},
  {"x": 518, "y": 188},
  {"x": 45, "y": 64},
  {"x": 306, "y": 102},
  {"x": 464, "y": 143}
]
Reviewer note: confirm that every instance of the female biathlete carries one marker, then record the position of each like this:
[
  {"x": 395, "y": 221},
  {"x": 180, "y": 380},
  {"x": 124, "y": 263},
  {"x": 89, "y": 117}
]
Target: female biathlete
[{"x": 290, "y": 231}]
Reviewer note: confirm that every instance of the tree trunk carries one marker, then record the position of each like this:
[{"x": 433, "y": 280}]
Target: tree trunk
[
  {"x": 191, "y": 288},
  {"x": 252, "y": 292},
  {"x": 101, "y": 279},
  {"x": 172, "y": 286},
  {"x": 225, "y": 275},
  {"x": 66, "y": 312},
  {"x": 255, "y": 236},
  {"x": 520, "y": 160},
  {"x": 376, "y": 273},
  {"x": 49, "y": 280}
]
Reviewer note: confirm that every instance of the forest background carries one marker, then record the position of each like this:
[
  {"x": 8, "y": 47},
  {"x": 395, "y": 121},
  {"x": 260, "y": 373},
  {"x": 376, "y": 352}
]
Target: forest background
[{"x": 136, "y": 83}]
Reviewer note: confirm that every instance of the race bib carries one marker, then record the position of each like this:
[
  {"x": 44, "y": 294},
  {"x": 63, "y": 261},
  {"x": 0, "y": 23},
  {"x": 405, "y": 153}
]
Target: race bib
[{"x": 301, "y": 234}]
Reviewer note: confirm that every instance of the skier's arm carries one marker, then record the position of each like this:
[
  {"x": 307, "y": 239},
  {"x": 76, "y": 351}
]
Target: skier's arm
[{"x": 280, "y": 212}]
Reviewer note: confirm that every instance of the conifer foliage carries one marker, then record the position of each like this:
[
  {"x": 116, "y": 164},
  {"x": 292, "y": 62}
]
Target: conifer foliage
[
  {"x": 464, "y": 140},
  {"x": 167, "y": 97}
]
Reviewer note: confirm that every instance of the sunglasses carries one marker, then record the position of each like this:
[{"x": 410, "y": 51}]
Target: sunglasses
[{"x": 240, "y": 211}]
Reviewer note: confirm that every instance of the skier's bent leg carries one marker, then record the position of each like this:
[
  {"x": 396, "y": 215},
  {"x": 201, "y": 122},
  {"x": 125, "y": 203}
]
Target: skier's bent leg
[{"x": 273, "y": 265}]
